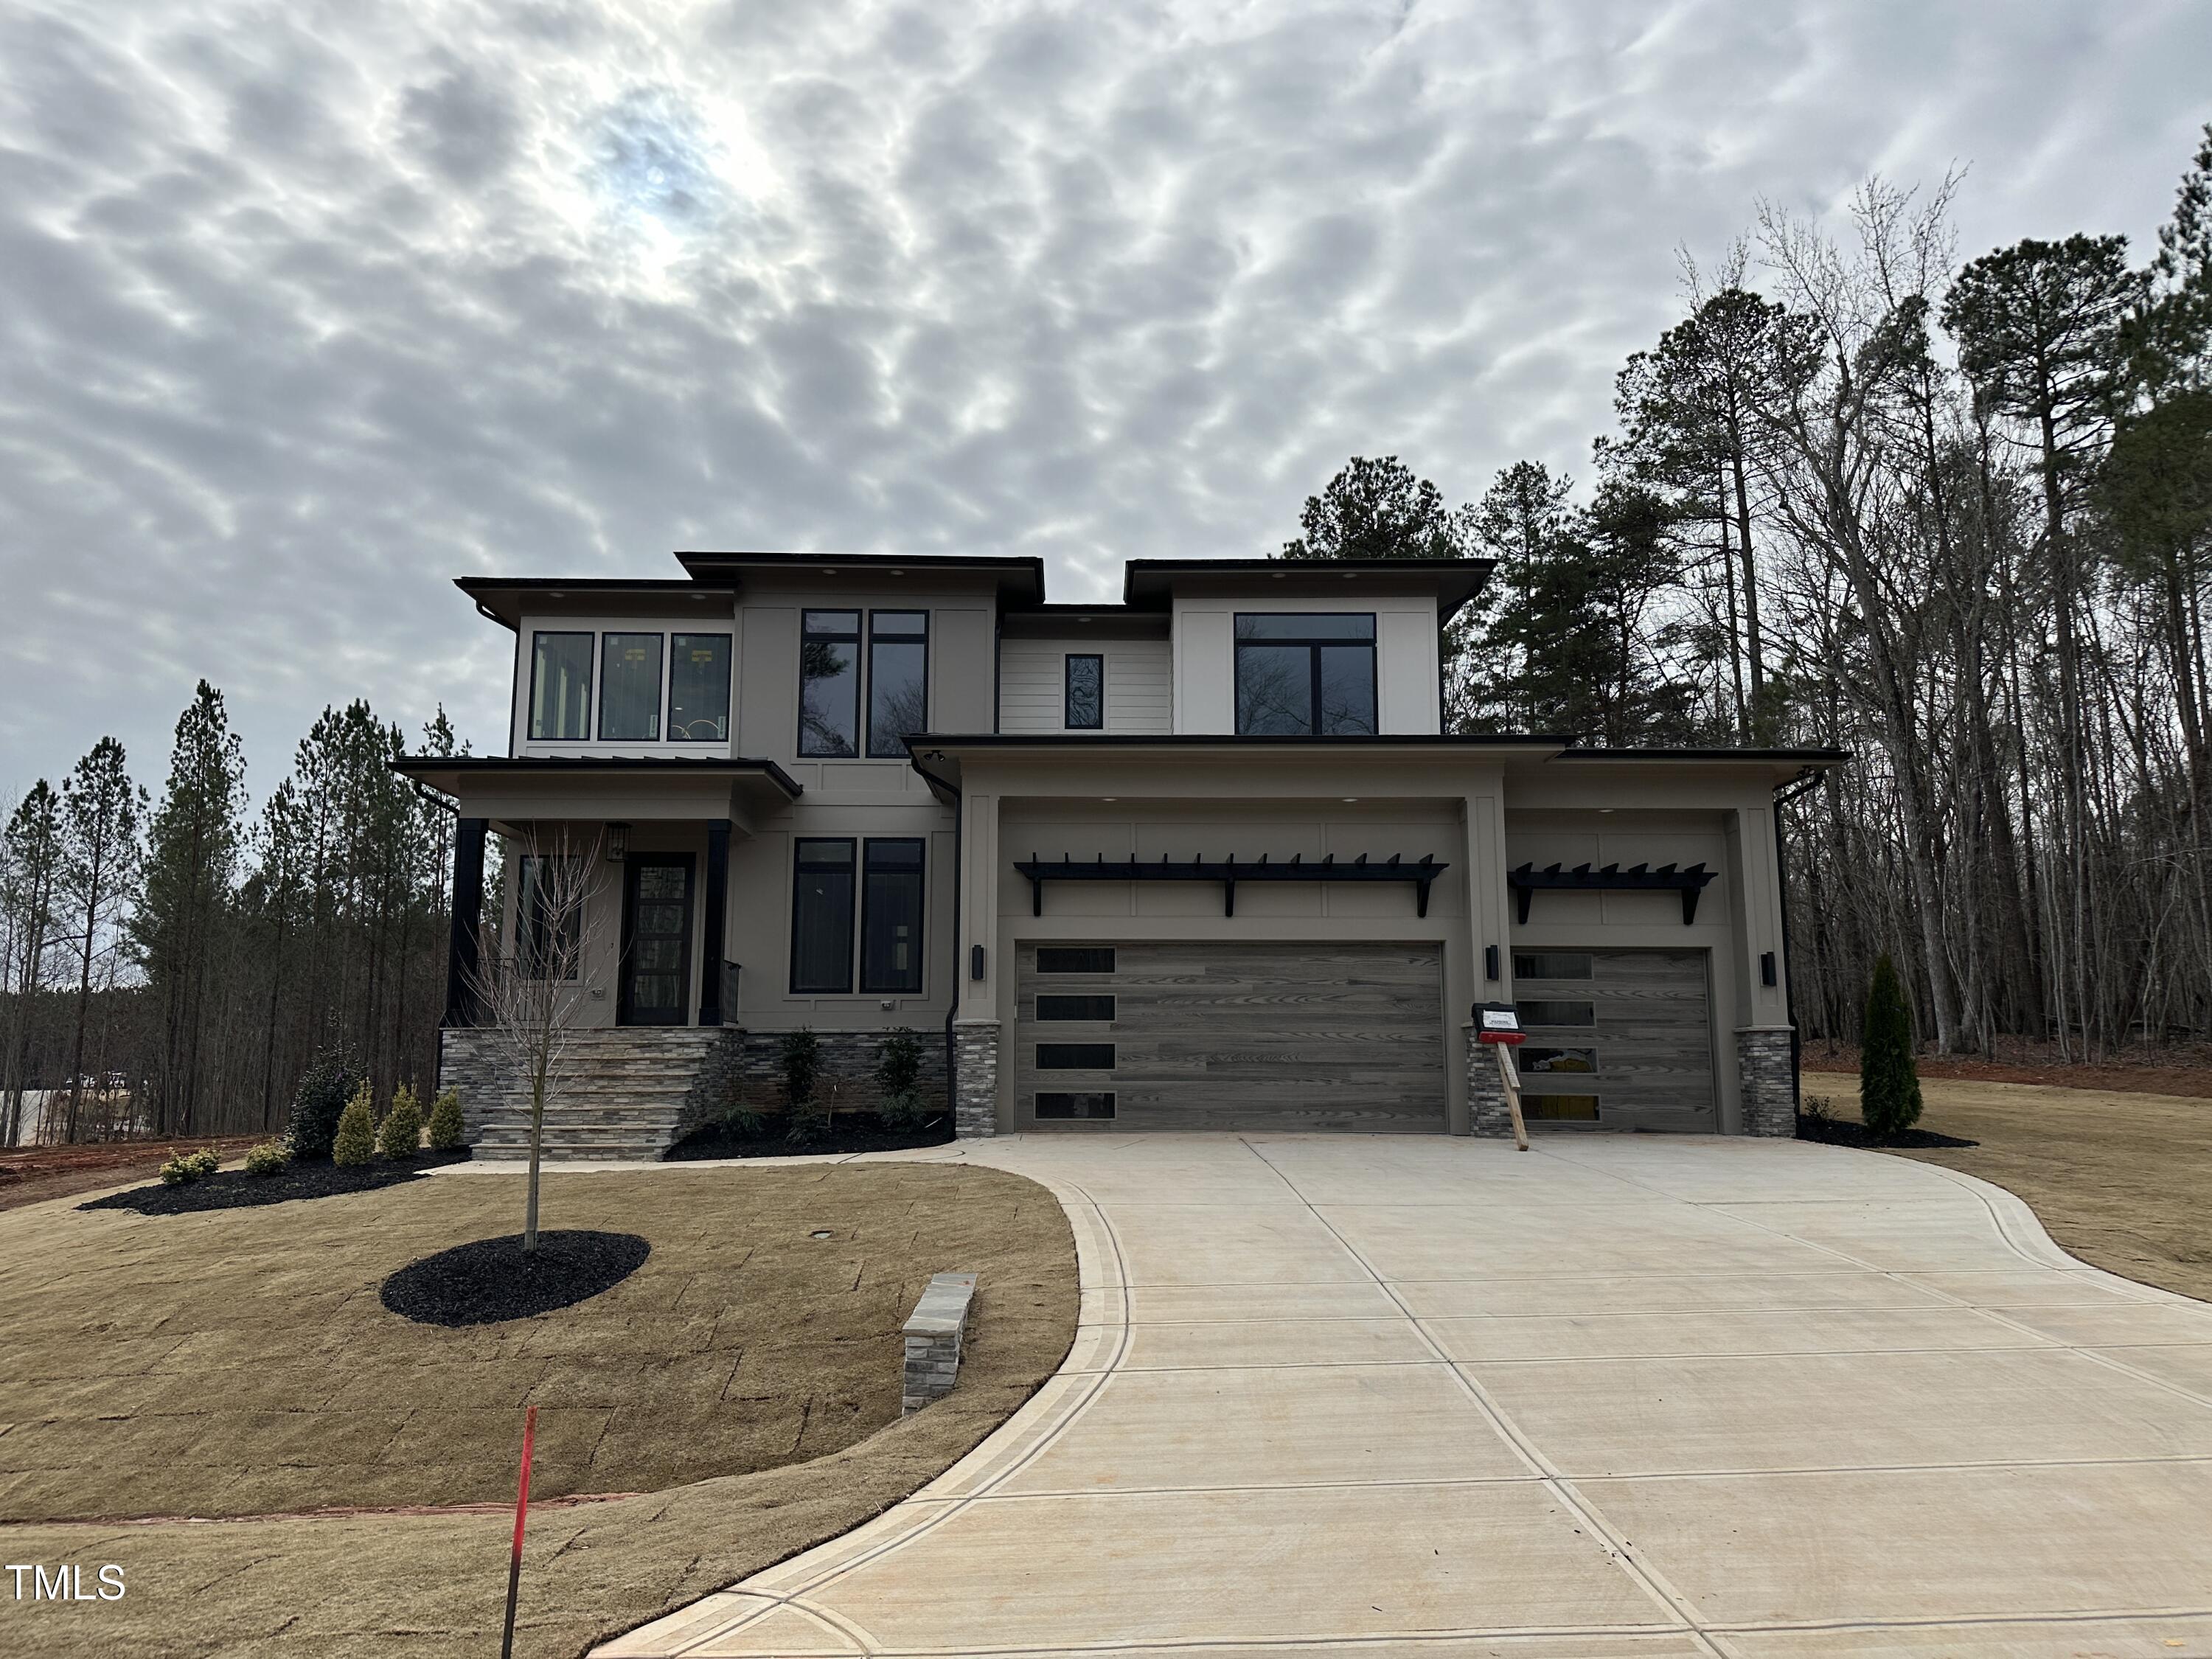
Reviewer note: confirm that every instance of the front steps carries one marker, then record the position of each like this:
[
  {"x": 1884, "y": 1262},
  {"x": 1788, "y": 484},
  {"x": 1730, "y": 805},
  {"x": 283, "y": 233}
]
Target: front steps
[{"x": 627, "y": 1093}]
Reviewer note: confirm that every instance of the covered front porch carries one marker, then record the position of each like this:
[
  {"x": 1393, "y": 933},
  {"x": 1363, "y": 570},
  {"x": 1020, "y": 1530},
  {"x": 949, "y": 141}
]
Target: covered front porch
[{"x": 646, "y": 846}]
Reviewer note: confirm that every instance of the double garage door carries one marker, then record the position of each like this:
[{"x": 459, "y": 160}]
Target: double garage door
[
  {"x": 1231, "y": 1036},
  {"x": 1266, "y": 1036}
]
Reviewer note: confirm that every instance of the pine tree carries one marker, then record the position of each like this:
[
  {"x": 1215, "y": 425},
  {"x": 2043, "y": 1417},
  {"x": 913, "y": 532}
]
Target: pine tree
[
  {"x": 1889, "y": 1084},
  {"x": 30, "y": 867},
  {"x": 190, "y": 865},
  {"x": 101, "y": 810},
  {"x": 355, "y": 1140}
]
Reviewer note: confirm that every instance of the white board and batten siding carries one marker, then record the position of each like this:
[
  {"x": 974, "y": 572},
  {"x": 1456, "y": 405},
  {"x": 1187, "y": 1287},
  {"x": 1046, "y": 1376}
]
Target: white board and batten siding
[{"x": 1032, "y": 685}]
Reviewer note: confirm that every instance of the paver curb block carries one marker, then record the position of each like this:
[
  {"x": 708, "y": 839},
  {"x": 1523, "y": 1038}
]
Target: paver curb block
[{"x": 932, "y": 1334}]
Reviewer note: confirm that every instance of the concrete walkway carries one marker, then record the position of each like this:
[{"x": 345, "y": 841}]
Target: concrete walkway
[{"x": 1623, "y": 1396}]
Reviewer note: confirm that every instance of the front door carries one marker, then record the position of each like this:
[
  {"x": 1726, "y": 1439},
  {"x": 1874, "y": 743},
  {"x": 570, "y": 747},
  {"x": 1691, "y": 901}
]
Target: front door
[{"x": 656, "y": 979}]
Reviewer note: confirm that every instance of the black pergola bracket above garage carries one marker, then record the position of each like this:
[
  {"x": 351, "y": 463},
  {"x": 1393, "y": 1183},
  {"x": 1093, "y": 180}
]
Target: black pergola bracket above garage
[
  {"x": 1637, "y": 878},
  {"x": 1230, "y": 871}
]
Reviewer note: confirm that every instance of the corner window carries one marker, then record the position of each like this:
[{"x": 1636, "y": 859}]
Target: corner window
[
  {"x": 1305, "y": 674},
  {"x": 830, "y": 682},
  {"x": 1084, "y": 708},
  {"x": 822, "y": 918},
  {"x": 891, "y": 916},
  {"x": 898, "y": 680},
  {"x": 560, "y": 687},
  {"x": 699, "y": 688},
  {"x": 629, "y": 688}
]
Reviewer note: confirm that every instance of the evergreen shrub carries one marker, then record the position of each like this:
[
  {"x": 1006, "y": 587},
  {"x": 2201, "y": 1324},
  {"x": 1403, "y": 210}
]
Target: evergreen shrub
[
  {"x": 355, "y": 1140},
  {"x": 801, "y": 1055},
  {"x": 898, "y": 1078},
  {"x": 1889, "y": 1084},
  {"x": 269, "y": 1158},
  {"x": 328, "y": 1084},
  {"x": 185, "y": 1168},
  {"x": 400, "y": 1135},
  {"x": 447, "y": 1127}
]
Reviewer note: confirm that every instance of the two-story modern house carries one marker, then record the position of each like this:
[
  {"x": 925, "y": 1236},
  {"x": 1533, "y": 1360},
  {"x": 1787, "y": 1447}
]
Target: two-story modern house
[{"x": 1203, "y": 858}]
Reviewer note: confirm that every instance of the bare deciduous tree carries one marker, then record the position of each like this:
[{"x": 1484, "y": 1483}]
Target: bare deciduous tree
[{"x": 528, "y": 997}]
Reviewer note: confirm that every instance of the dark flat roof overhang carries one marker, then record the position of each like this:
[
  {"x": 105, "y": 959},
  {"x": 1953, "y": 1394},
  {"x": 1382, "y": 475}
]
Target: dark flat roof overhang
[
  {"x": 504, "y": 599},
  {"x": 1020, "y": 579},
  {"x": 453, "y": 769},
  {"x": 1149, "y": 583}
]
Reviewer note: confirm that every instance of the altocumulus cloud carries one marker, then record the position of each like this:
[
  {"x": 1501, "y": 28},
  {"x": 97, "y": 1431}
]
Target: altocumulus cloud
[{"x": 309, "y": 307}]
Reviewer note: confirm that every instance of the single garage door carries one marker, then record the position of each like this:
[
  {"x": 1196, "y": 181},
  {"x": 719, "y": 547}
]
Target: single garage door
[
  {"x": 1617, "y": 1039},
  {"x": 1230, "y": 1036}
]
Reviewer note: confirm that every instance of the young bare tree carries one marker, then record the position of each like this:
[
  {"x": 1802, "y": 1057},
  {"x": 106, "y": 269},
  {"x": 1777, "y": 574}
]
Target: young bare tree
[{"x": 528, "y": 998}]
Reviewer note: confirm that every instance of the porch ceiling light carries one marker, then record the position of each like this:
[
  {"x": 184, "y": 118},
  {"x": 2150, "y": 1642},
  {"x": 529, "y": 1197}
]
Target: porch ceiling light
[{"x": 617, "y": 842}]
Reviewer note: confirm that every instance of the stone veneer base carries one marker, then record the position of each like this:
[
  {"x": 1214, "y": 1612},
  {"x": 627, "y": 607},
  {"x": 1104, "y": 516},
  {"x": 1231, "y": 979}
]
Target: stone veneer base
[
  {"x": 975, "y": 1079},
  {"x": 1768, "y": 1081}
]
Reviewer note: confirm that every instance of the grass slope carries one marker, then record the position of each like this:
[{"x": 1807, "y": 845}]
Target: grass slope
[{"x": 745, "y": 1380}]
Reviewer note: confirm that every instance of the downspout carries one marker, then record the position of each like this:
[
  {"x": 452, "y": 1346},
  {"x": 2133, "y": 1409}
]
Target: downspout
[
  {"x": 941, "y": 788},
  {"x": 1799, "y": 786}
]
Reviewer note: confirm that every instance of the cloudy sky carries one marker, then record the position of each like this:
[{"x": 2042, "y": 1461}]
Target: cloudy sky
[{"x": 310, "y": 307}]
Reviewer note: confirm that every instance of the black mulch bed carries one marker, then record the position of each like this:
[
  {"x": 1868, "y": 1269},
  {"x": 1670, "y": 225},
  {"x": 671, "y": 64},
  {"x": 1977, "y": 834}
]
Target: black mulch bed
[
  {"x": 490, "y": 1279},
  {"x": 850, "y": 1131},
  {"x": 1845, "y": 1132},
  {"x": 234, "y": 1189}
]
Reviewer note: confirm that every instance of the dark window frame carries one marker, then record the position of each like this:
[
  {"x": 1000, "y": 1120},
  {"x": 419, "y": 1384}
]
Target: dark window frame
[
  {"x": 1068, "y": 722},
  {"x": 920, "y": 872},
  {"x": 729, "y": 683},
  {"x": 530, "y": 925},
  {"x": 1039, "y": 1063},
  {"x": 859, "y": 674},
  {"x": 607, "y": 637},
  {"x": 1313, "y": 646},
  {"x": 1064, "y": 997},
  {"x": 591, "y": 680},
  {"x": 1037, "y": 1105},
  {"x": 799, "y": 845},
  {"x": 1063, "y": 951},
  {"x": 868, "y": 749}
]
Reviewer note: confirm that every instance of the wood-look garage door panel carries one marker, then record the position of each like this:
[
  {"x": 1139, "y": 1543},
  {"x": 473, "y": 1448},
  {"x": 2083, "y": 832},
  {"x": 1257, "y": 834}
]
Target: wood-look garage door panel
[
  {"x": 1650, "y": 1030},
  {"x": 1250, "y": 1036}
]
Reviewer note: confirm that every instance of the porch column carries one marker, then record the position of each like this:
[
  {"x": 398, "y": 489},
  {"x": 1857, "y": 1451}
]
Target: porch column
[
  {"x": 714, "y": 943},
  {"x": 468, "y": 919}
]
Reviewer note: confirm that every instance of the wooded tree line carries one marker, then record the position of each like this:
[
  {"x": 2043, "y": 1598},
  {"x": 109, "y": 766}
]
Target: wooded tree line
[
  {"x": 171, "y": 965},
  {"x": 1956, "y": 517}
]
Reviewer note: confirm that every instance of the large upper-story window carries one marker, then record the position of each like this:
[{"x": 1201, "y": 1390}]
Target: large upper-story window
[
  {"x": 629, "y": 688},
  {"x": 898, "y": 679},
  {"x": 699, "y": 688},
  {"x": 652, "y": 686},
  {"x": 830, "y": 682},
  {"x": 829, "y": 673},
  {"x": 1304, "y": 674},
  {"x": 561, "y": 688}
]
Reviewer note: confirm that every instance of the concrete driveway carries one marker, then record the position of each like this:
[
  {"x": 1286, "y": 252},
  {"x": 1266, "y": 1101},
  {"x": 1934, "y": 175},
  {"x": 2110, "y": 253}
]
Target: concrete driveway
[{"x": 1619, "y": 1396}]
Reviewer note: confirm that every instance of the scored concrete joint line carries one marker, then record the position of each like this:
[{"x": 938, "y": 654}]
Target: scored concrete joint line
[{"x": 1442, "y": 1373}]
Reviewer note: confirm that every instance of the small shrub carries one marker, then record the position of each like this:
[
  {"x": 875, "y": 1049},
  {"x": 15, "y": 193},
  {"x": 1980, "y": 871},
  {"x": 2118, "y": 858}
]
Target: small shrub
[
  {"x": 185, "y": 1168},
  {"x": 801, "y": 1055},
  {"x": 269, "y": 1158},
  {"x": 898, "y": 1077},
  {"x": 447, "y": 1127},
  {"x": 355, "y": 1140},
  {"x": 320, "y": 1099},
  {"x": 1889, "y": 1084},
  {"x": 401, "y": 1133}
]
